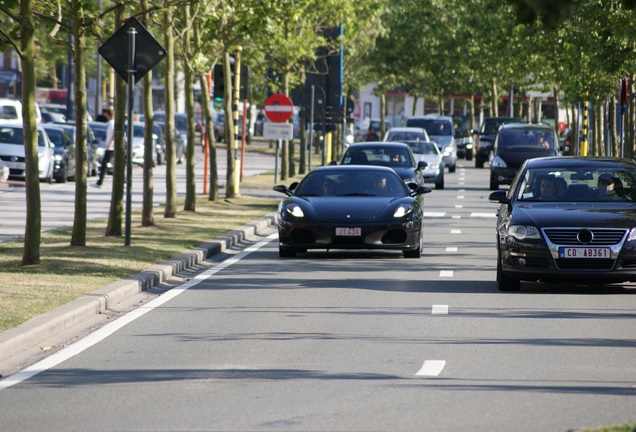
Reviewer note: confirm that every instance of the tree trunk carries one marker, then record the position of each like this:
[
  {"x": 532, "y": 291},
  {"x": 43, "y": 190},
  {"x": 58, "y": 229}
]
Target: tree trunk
[
  {"x": 191, "y": 186},
  {"x": 494, "y": 107},
  {"x": 231, "y": 187},
  {"x": 630, "y": 121},
  {"x": 382, "y": 115},
  {"x": 114, "y": 227},
  {"x": 556, "y": 110},
  {"x": 213, "y": 183},
  {"x": 170, "y": 210},
  {"x": 147, "y": 210},
  {"x": 78, "y": 237},
  {"x": 303, "y": 142},
  {"x": 614, "y": 138},
  {"x": 33, "y": 227}
]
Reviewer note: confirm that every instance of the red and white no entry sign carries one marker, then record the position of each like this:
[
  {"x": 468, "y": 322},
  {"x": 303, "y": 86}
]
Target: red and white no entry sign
[{"x": 279, "y": 108}]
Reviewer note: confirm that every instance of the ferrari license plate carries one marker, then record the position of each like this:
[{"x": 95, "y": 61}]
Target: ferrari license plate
[
  {"x": 349, "y": 232},
  {"x": 584, "y": 252}
]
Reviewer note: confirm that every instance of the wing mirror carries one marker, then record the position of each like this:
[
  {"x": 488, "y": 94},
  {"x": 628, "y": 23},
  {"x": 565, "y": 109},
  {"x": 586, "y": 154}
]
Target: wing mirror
[
  {"x": 500, "y": 196},
  {"x": 421, "y": 165},
  {"x": 283, "y": 189}
]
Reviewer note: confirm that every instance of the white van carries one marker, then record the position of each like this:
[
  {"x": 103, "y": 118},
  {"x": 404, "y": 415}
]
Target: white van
[{"x": 11, "y": 111}]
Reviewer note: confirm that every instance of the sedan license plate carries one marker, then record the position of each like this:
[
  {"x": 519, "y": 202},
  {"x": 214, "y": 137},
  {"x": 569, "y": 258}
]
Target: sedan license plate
[
  {"x": 349, "y": 232},
  {"x": 584, "y": 252}
]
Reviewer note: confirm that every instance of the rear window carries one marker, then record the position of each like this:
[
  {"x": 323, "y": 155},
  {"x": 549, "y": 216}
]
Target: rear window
[
  {"x": 8, "y": 112},
  {"x": 432, "y": 126},
  {"x": 526, "y": 138},
  {"x": 10, "y": 135}
]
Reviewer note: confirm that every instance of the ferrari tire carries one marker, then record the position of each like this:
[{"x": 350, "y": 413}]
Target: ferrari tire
[{"x": 286, "y": 253}]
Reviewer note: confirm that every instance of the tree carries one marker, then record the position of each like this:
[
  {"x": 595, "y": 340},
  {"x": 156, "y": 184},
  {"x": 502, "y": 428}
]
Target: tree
[{"x": 17, "y": 30}]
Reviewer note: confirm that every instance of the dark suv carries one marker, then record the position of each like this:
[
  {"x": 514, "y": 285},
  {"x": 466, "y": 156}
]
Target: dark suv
[
  {"x": 515, "y": 143},
  {"x": 486, "y": 137}
]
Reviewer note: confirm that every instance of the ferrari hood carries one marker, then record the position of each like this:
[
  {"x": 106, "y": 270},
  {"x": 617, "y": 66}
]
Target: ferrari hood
[{"x": 351, "y": 209}]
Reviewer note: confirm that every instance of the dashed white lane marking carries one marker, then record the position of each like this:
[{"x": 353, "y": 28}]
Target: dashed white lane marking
[
  {"x": 460, "y": 196},
  {"x": 434, "y": 214},
  {"x": 459, "y": 206},
  {"x": 483, "y": 215},
  {"x": 439, "y": 310},
  {"x": 456, "y": 231},
  {"x": 431, "y": 368},
  {"x": 446, "y": 273},
  {"x": 451, "y": 249},
  {"x": 456, "y": 217},
  {"x": 107, "y": 330}
]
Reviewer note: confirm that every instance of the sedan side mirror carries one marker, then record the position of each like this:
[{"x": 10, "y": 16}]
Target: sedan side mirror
[
  {"x": 500, "y": 196},
  {"x": 421, "y": 165},
  {"x": 421, "y": 190}
]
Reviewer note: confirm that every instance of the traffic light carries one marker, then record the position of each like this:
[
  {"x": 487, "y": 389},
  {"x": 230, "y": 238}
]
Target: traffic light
[
  {"x": 219, "y": 83},
  {"x": 218, "y": 104}
]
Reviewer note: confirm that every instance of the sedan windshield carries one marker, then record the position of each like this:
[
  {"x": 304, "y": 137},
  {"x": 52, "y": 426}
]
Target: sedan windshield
[
  {"x": 596, "y": 184},
  {"x": 352, "y": 184}
]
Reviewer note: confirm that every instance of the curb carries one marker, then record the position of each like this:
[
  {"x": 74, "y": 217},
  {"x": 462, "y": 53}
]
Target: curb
[{"x": 30, "y": 334}]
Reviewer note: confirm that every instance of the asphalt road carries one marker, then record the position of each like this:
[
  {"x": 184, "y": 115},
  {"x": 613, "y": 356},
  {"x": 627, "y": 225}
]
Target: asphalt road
[
  {"x": 350, "y": 341},
  {"x": 58, "y": 198}
]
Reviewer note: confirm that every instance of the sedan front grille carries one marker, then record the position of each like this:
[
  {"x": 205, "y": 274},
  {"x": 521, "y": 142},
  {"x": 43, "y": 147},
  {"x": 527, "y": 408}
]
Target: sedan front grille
[{"x": 581, "y": 236}]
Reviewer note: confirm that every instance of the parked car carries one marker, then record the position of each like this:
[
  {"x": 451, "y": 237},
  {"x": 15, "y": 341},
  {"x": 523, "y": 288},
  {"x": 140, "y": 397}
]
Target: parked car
[
  {"x": 333, "y": 207},
  {"x": 373, "y": 129},
  {"x": 515, "y": 143},
  {"x": 64, "y": 152},
  {"x": 583, "y": 236},
  {"x": 440, "y": 129},
  {"x": 11, "y": 111},
  {"x": 138, "y": 143},
  {"x": 397, "y": 156},
  {"x": 486, "y": 137},
  {"x": 99, "y": 131},
  {"x": 92, "y": 145},
  {"x": 403, "y": 134},
  {"x": 13, "y": 155},
  {"x": 463, "y": 139},
  {"x": 428, "y": 152},
  {"x": 181, "y": 132}
]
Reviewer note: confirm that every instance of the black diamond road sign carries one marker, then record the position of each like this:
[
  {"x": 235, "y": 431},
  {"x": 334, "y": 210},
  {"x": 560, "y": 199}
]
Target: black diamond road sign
[{"x": 148, "y": 52}]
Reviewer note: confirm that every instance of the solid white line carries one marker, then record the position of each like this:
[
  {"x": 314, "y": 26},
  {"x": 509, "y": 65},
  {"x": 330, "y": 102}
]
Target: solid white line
[
  {"x": 446, "y": 273},
  {"x": 451, "y": 249},
  {"x": 439, "y": 310},
  {"x": 432, "y": 368},
  {"x": 107, "y": 330}
]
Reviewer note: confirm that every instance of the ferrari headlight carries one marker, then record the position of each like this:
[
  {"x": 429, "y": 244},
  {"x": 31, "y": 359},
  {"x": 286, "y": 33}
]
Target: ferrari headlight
[
  {"x": 294, "y": 210},
  {"x": 403, "y": 210},
  {"x": 522, "y": 232}
]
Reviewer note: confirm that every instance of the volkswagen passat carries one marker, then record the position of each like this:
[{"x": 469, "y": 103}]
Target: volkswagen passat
[{"x": 567, "y": 219}]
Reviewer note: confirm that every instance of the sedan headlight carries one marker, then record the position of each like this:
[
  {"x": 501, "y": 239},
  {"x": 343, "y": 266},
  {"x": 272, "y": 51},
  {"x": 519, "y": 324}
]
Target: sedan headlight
[
  {"x": 403, "y": 210},
  {"x": 498, "y": 162},
  {"x": 522, "y": 232},
  {"x": 294, "y": 210},
  {"x": 447, "y": 150},
  {"x": 58, "y": 158}
]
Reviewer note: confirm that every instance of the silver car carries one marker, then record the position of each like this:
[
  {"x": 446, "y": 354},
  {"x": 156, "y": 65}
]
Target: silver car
[
  {"x": 13, "y": 155},
  {"x": 441, "y": 130}
]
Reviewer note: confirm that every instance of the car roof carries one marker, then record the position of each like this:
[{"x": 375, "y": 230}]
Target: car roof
[
  {"x": 406, "y": 129},
  {"x": 433, "y": 117},
  {"x": 578, "y": 162},
  {"x": 371, "y": 144},
  {"x": 378, "y": 168},
  {"x": 526, "y": 126}
]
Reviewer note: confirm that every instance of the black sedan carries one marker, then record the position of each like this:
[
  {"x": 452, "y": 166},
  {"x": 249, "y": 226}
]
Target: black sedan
[
  {"x": 567, "y": 219},
  {"x": 395, "y": 155},
  {"x": 351, "y": 207}
]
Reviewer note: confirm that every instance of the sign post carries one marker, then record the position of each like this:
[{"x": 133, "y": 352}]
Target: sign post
[
  {"x": 278, "y": 109},
  {"x": 132, "y": 51}
]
